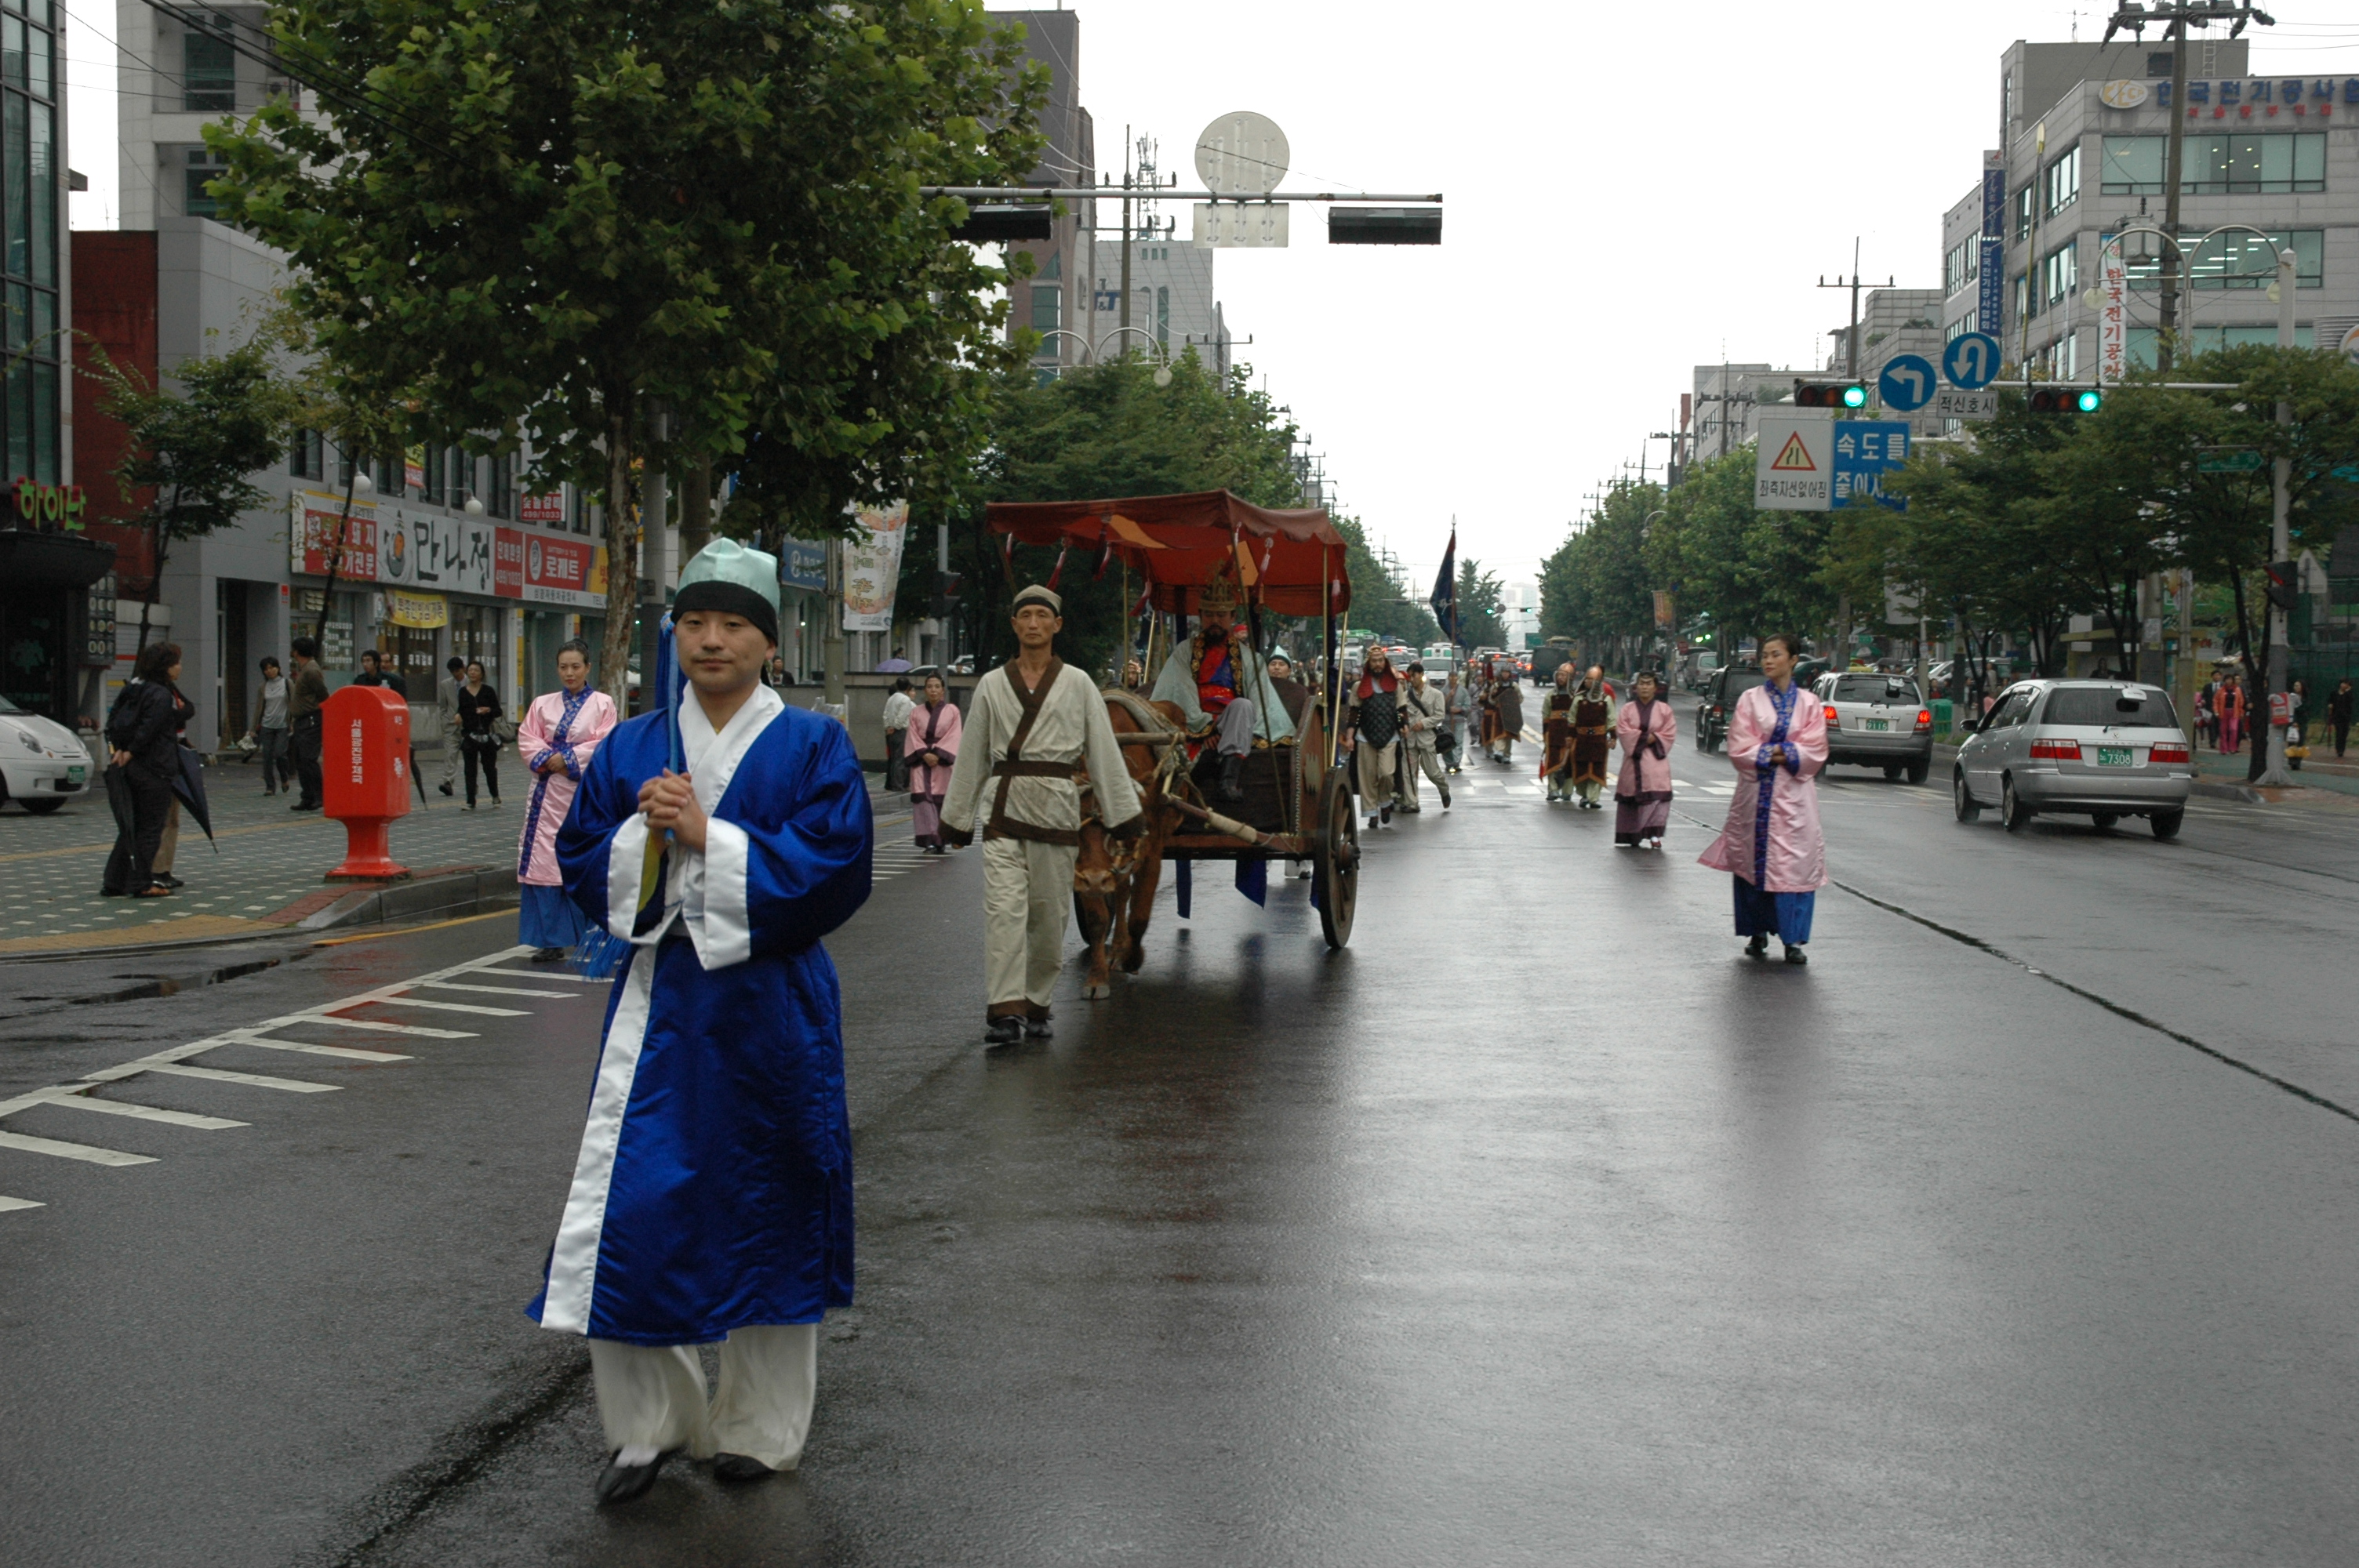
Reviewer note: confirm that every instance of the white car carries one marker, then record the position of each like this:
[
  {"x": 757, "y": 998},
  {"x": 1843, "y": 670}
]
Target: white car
[{"x": 43, "y": 764}]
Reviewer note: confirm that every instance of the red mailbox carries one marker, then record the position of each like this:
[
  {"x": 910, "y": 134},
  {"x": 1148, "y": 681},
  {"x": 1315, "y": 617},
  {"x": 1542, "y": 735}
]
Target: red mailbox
[{"x": 365, "y": 776}]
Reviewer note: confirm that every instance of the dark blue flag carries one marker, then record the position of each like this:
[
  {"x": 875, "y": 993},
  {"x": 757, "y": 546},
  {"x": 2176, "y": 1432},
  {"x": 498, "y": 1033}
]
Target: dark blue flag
[{"x": 1445, "y": 589}]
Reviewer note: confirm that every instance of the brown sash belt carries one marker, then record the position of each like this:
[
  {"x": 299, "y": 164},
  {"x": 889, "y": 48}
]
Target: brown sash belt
[{"x": 1012, "y": 769}]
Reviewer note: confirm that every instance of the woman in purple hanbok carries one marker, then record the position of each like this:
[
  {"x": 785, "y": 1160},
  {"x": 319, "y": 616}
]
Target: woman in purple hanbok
[
  {"x": 931, "y": 747},
  {"x": 1771, "y": 845},
  {"x": 1641, "y": 795},
  {"x": 560, "y": 731}
]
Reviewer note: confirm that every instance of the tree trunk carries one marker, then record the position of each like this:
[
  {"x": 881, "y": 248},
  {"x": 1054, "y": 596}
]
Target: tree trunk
[
  {"x": 622, "y": 560},
  {"x": 695, "y": 509}
]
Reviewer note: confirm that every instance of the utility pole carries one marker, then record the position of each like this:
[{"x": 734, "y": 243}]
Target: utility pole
[
  {"x": 2175, "y": 16},
  {"x": 1851, "y": 339},
  {"x": 2280, "y": 549},
  {"x": 1123, "y": 321}
]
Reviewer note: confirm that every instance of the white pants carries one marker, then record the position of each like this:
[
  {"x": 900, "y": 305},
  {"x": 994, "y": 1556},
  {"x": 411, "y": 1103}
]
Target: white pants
[
  {"x": 1028, "y": 892},
  {"x": 653, "y": 1395},
  {"x": 1379, "y": 768}
]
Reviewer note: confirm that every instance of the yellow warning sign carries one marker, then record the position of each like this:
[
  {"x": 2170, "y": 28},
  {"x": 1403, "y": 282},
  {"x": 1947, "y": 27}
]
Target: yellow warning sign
[{"x": 1794, "y": 455}]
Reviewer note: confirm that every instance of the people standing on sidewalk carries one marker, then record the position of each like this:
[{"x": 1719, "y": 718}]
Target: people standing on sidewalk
[
  {"x": 2230, "y": 706},
  {"x": 479, "y": 721},
  {"x": 1506, "y": 705},
  {"x": 1770, "y": 845},
  {"x": 303, "y": 721},
  {"x": 1423, "y": 709},
  {"x": 898, "y": 704},
  {"x": 1037, "y": 721},
  {"x": 446, "y": 702},
  {"x": 2297, "y": 724},
  {"x": 560, "y": 734},
  {"x": 1371, "y": 729},
  {"x": 1647, "y": 731},
  {"x": 269, "y": 733},
  {"x": 143, "y": 752},
  {"x": 713, "y": 1194},
  {"x": 936, "y": 729},
  {"x": 2338, "y": 714},
  {"x": 374, "y": 673}
]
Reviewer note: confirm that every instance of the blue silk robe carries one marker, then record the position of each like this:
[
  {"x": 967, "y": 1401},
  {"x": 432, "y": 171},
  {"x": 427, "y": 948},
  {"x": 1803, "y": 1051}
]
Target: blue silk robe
[{"x": 713, "y": 1186}]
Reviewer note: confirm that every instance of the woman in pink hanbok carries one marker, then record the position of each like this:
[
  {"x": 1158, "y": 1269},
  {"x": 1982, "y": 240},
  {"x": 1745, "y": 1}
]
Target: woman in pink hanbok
[
  {"x": 559, "y": 732},
  {"x": 931, "y": 747},
  {"x": 1771, "y": 846},
  {"x": 1641, "y": 795}
]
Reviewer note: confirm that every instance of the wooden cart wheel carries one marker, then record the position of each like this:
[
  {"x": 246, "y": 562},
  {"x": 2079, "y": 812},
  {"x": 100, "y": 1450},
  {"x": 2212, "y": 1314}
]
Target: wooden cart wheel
[{"x": 1336, "y": 868}]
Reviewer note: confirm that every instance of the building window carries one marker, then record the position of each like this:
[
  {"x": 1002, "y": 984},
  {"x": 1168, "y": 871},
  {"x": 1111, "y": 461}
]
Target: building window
[
  {"x": 2025, "y": 205},
  {"x": 437, "y": 491},
  {"x": 501, "y": 500},
  {"x": 2064, "y": 180},
  {"x": 1048, "y": 302},
  {"x": 2061, "y": 271},
  {"x": 28, "y": 216},
  {"x": 1958, "y": 329},
  {"x": 204, "y": 167},
  {"x": 310, "y": 457},
  {"x": 2239, "y": 261},
  {"x": 207, "y": 70},
  {"x": 1163, "y": 317},
  {"x": 2273, "y": 163},
  {"x": 1962, "y": 264}
]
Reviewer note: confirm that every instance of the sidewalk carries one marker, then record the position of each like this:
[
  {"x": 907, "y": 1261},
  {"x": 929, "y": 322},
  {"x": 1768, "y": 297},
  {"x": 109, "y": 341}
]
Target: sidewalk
[{"x": 269, "y": 874}]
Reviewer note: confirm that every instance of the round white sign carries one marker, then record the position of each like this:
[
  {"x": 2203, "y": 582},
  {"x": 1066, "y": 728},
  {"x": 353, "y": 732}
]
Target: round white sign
[
  {"x": 1241, "y": 154},
  {"x": 2349, "y": 347},
  {"x": 2123, "y": 95}
]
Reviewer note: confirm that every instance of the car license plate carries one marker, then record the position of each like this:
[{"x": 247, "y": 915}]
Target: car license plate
[
  {"x": 1875, "y": 724},
  {"x": 76, "y": 775},
  {"x": 2113, "y": 756}
]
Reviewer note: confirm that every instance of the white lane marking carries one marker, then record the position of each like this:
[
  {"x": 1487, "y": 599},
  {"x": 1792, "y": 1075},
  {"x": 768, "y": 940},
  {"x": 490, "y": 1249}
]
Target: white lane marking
[
  {"x": 31, "y": 1145},
  {"x": 478, "y": 1008},
  {"x": 8, "y": 1204},
  {"x": 489, "y": 990},
  {"x": 533, "y": 975},
  {"x": 349, "y": 1053},
  {"x": 418, "y": 1029},
  {"x": 213, "y": 1075},
  {"x": 80, "y": 1099}
]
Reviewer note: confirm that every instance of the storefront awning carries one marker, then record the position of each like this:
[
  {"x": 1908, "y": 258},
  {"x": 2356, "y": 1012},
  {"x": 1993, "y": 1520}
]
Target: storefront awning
[{"x": 29, "y": 558}]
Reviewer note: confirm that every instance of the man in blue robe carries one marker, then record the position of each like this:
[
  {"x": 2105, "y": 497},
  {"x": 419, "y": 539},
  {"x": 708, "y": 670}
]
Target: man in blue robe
[{"x": 712, "y": 1199}]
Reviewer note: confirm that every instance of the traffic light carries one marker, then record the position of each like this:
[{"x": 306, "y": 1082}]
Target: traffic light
[
  {"x": 1830, "y": 395},
  {"x": 946, "y": 595},
  {"x": 2066, "y": 400},
  {"x": 2285, "y": 583}
]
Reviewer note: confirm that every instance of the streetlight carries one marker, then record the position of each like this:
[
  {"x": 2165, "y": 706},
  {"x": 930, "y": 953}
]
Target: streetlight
[{"x": 1163, "y": 352}]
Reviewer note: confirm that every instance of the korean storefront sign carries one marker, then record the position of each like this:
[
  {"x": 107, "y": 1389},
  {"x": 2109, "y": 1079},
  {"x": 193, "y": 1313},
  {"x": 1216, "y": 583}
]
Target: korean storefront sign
[
  {"x": 452, "y": 553},
  {"x": 423, "y": 612},
  {"x": 311, "y": 537},
  {"x": 2113, "y": 311},
  {"x": 872, "y": 567}
]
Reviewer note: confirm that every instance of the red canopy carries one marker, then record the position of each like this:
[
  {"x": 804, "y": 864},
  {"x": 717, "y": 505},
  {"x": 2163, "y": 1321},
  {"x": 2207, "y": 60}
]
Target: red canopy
[{"x": 1291, "y": 561}]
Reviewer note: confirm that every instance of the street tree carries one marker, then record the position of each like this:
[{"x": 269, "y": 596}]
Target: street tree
[
  {"x": 1481, "y": 606},
  {"x": 674, "y": 232}
]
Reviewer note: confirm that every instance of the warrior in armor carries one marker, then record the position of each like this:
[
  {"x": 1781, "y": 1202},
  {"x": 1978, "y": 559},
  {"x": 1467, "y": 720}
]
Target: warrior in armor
[{"x": 1216, "y": 678}]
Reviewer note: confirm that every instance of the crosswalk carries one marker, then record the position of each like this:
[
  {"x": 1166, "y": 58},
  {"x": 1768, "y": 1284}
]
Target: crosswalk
[
  {"x": 272, "y": 1035},
  {"x": 891, "y": 859}
]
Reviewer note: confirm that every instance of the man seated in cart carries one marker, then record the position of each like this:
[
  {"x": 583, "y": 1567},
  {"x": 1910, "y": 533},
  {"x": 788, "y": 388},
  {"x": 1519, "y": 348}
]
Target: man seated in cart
[{"x": 1218, "y": 681}]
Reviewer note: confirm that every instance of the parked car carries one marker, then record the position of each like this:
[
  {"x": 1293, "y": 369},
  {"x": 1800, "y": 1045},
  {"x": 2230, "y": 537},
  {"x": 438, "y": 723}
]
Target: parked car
[
  {"x": 43, "y": 764},
  {"x": 1720, "y": 695},
  {"x": 2104, "y": 750},
  {"x": 1877, "y": 722}
]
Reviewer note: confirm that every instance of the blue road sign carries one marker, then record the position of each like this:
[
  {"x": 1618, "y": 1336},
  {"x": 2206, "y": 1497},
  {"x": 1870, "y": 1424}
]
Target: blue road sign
[
  {"x": 1865, "y": 451},
  {"x": 1971, "y": 361},
  {"x": 1906, "y": 382}
]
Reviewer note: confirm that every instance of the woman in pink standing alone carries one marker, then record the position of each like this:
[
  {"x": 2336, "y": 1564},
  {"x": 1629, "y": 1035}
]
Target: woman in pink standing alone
[
  {"x": 1771, "y": 846},
  {"x": 559, "y": 732},
  {"x": 936, "y": 729}
]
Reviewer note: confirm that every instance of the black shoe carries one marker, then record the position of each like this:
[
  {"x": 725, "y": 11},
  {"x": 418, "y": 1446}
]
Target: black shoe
[
  {"x": 1004, "y": 1031},
  {"x": 1445, "y": 796},
  {"x": 446, "y": 789},
  {"x": 300, "y": 805},
  {"x": 1038, "y": 1029},
  {"x": 548, "y": 954},
  {"x": 619, "y": 1483},
  {"x": 1794, "y": 954},
  {"x": 1759, "y": 947},
  {"x": 1232, "y": 783},
  {"x": 1387, "y": 814},
  {"x": 169, "y": 880},
  {"x": 740, "y": 1468}
]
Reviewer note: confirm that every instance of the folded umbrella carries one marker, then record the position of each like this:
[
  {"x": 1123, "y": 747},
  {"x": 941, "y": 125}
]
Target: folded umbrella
[{"x": 189, "y": 785}]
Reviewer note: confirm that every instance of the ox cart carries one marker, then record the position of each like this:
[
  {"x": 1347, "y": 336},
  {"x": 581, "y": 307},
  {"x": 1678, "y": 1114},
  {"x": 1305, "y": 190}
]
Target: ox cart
[{"x": 1296, "y": 803}]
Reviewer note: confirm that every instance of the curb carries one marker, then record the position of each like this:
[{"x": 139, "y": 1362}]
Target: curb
[
  {"x": 456, "y": 893},
  {"x": 2244, "y": 795}
]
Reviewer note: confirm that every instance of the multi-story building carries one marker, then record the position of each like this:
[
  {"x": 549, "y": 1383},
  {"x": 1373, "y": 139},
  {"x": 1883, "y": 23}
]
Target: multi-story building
[
  {"x": 1892, "y": 322},
  {"x": 2270, "y": 160},
  {"x": 446, "y": 555},
  {"x": 1725, "y": 400}
]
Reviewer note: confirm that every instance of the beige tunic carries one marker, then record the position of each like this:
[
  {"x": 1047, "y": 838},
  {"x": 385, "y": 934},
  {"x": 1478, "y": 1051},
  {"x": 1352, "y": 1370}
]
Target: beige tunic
[{"x": 1039, "y": 803}]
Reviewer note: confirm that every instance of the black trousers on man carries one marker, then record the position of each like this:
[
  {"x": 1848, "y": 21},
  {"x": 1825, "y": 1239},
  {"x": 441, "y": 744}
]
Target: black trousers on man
[{"x": 305, "y": 740}]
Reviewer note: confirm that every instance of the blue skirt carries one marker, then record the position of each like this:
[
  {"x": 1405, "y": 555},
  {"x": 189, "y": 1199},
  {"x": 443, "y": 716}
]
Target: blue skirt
[
  {"x": 1785, "y": 916},
  {"x": 547, "y": 918}
]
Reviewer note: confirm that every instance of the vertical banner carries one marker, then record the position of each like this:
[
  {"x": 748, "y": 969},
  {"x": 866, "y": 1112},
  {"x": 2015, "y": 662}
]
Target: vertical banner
[
  {"x": 872, "y": 567},
  {"x": 1990, "y": 298},
  {"x": 2113, "y": 315}
]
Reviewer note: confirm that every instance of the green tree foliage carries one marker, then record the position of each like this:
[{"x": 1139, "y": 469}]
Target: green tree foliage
[
  {"x": 192, "y": 450},
  {"x": 1101, "y": 433},
  {"x": 1598, "y": 588},
  {"x": 1382, "y": 603},
  {"x": 554, "y": 216},
  {"x": 1481, "y": 622},
  {"x": 1750, "y": 572}
]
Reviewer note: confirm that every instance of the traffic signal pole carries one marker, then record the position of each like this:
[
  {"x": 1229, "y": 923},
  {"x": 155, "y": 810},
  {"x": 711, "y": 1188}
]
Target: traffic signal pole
[{"x": 2276, "y": 774}]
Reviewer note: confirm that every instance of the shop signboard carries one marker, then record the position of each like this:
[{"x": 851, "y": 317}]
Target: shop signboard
[
  {"x": 311, "y": 536},
  {"x": 548, "y": 508},
  {"x": 561, "y": 571},
  {"x": 450, "y": 553},
  {"x": 507, "y": 563},
  {"x": 421, "y": 612},
  {"x": 872, "y": 567},
  {"x": 802, "y": 564}
]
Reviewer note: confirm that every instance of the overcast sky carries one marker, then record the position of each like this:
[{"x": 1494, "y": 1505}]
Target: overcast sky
[{"x": 1633, "y": 190}]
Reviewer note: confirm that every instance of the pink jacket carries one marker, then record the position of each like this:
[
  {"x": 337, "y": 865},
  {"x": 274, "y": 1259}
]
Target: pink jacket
[
  {"x": 1791, "y": 857},
  {"x": 1645, "y": 774},
  {"x": 544, "y": 732},
  {"x": 946, "y": 727}
]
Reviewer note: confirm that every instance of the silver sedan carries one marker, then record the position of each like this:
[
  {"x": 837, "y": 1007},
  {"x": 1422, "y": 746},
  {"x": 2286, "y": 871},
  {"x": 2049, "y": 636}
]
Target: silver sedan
[{"x": 2103, "y": 750}]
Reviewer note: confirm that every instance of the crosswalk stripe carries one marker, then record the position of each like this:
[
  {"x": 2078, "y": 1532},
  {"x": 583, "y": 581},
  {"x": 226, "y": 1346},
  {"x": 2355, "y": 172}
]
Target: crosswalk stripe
[
  {"x": 219, "y": 1075},
  {"x": 418, "y": 1029},
  {"x": 493, "y": 991},
  {"x": 82, "y": 1101},
  {"x": 477, "y": 1008},
  {"x": 7, "y": 1203},
  {"x": 26, "y": 1143},
  {"x": 535, "y": 975},
  {"x": 349, "y": 1053}
]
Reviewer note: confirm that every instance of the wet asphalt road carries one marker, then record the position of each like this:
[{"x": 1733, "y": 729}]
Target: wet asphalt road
[{"x": 1537, "y": 1228}]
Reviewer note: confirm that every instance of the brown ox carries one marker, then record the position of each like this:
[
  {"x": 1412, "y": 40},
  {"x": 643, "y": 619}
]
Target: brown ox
[{"x": 1114, "y": 879}]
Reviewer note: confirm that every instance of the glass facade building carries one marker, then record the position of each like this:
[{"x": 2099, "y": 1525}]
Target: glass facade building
[{"x": 31, "y": 87}]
